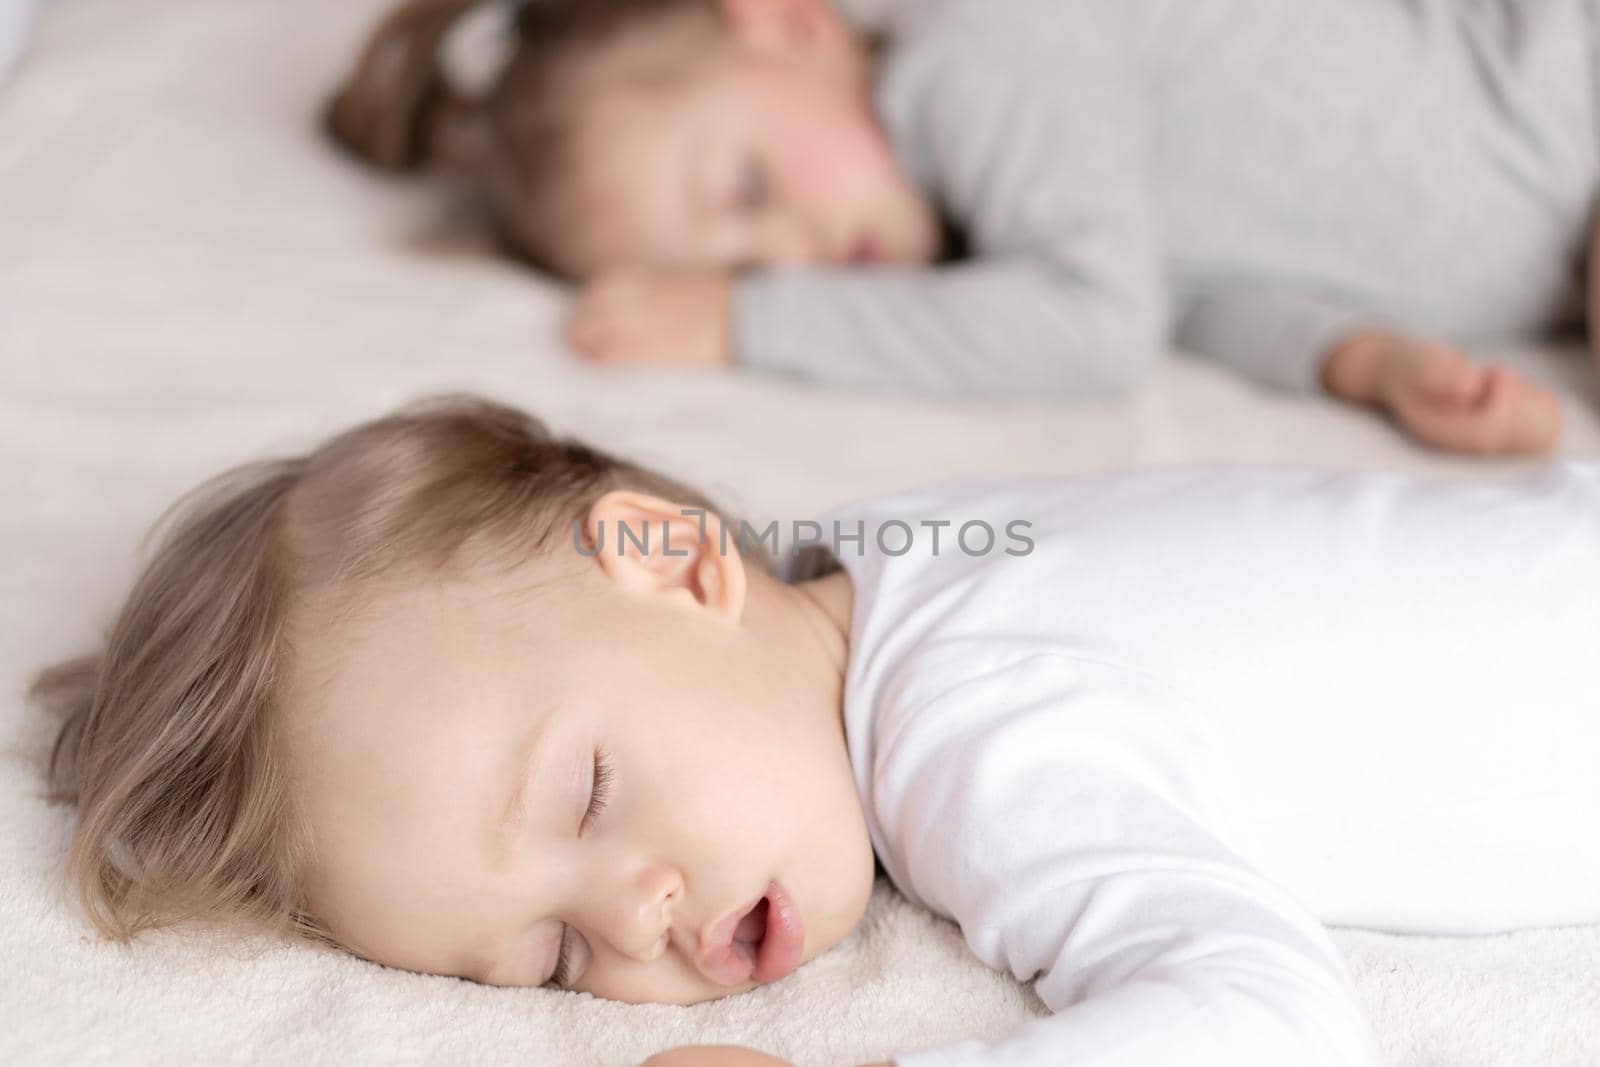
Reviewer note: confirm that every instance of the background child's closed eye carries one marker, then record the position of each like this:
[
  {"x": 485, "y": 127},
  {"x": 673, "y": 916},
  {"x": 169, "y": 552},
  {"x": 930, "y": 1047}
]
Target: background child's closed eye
[
  {"x": 191, "y": 279},
  {"x": 761, "y": 182}
]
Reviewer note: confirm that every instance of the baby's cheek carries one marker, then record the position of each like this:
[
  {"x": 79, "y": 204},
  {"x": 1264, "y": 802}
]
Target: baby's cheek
[{"x": 833, "y": 163}]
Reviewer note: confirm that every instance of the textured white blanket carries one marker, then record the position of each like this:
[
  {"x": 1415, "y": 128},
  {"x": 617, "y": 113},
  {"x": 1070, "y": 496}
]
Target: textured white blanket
[{"x": 189, "y": 278}]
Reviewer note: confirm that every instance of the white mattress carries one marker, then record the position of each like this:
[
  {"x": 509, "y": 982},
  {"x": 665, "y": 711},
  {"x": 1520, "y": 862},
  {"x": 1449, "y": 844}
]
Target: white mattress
[{"x": 189, "y": 278}]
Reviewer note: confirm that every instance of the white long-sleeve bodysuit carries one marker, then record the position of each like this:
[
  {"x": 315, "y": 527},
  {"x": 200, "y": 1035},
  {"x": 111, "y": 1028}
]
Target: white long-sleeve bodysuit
[{"x": 1210, "y": 710}]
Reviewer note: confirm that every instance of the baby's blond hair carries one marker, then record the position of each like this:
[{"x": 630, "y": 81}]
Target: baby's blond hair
[{"x": 169, "y": 745}]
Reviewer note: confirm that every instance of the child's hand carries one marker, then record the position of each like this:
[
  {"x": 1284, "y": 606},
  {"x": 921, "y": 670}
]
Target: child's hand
[
  {"x": 643, "y": 319},
  {"x": 1443, "y": 397},
  {"x": 713, "y": 1056}
]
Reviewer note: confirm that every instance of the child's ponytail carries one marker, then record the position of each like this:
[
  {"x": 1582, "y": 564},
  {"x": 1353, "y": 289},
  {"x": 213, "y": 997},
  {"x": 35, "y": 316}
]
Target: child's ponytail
[{"x": 398, "y": 110}]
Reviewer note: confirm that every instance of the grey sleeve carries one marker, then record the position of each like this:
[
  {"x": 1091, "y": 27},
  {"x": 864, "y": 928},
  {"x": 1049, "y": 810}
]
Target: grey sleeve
[
  {"x": 1030, "y": 130},
  {"x": 14, "y": 19},
  {"x": 1274, "y": 335}
]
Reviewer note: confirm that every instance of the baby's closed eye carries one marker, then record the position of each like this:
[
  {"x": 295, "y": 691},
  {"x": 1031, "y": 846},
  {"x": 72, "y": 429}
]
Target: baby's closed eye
[{"x": 755, "y": 186}]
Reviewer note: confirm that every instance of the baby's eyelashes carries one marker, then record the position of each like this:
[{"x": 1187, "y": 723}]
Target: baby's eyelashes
[{"x": 754, "y": 189}]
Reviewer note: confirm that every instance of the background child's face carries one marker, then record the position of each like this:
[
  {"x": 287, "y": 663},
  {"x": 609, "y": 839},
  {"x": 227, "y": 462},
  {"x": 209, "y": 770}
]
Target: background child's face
[
  {"x": 769, "y": 153},
  {"x": 415, "y": 723}
]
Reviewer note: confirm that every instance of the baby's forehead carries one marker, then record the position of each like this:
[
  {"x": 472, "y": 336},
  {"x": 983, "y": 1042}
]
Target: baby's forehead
[
  {"x": 366, "y": 659},
  {"x": 392, "y": 704},
  {"x": 406, "y": 733}
]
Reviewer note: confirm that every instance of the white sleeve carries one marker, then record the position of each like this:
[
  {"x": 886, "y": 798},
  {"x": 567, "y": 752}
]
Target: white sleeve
[{"x": 1056, "y": 809}]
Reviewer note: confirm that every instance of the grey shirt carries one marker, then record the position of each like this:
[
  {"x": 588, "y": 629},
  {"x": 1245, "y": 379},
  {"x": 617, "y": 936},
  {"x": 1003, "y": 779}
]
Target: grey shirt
[
  {"x": 14, "y": 18},
  {"x": 1250, "y": 179}
]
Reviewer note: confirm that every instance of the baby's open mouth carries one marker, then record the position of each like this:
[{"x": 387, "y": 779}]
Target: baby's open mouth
[
  {"x": 752, "y": 928},
  {"x": 765, "y": 943}
]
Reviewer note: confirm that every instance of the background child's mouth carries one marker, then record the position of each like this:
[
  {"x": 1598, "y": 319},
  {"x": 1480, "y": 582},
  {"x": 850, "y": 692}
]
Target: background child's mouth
[{"x": 864, "y": 251}]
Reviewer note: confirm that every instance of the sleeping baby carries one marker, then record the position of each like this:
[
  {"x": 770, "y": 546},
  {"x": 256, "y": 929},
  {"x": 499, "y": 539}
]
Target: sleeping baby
[
  {"x": 1036, "y": 197},
  {"x": 460, "y": 696}
]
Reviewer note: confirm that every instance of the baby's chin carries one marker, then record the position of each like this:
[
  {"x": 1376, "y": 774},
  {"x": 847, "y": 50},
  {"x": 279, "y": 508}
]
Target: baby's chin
[
  {"x": 686, "y": 998},
  {"x": 679, "y": 997}
]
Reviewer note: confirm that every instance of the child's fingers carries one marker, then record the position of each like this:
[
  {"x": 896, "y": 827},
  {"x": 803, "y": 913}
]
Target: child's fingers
[
  {"x": 583, "y": 336},
  {"x": 592, "y": 337},
  {"x": 1499, "y": 384},
  {"x": 1448, "y": 376},
  {"x": 614, "y": 342},
  {"x": 603, "y": 347},
  {"x": 1511, "y": 416},
  {"x": 575, "y": 332},
  {"x": 1518, "y": 416},
  {"x": 1472, "y": 428},
  {"x": 596, "y": 329},
  {"x": 1441, "y": 427},
  {"x": 1532, "y": 416}
]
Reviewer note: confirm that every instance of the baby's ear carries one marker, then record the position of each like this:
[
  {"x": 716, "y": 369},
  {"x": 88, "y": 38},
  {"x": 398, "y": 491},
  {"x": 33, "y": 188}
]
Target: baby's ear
[{"x": 653, "y": 546}]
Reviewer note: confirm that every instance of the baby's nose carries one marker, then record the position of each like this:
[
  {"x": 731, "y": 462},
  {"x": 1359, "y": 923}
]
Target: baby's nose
[{"x": 643, "y": 922}]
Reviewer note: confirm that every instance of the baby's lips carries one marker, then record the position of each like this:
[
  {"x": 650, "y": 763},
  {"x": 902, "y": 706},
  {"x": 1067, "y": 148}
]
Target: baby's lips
[
  {"x": 730, "y": 965},
  {"x": 729, "y": 962},
  {"x": 721, "y": 959},
  {"x": 784, "y": 942}
]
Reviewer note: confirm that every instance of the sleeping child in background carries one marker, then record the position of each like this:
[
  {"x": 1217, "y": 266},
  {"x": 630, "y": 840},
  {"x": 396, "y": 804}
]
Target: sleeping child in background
[
  {"x": 463, "y": 697},
  {"x": 1328, "y": 195}
]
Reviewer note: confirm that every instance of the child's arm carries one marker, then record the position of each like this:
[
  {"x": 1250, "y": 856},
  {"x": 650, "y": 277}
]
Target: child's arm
[
  {"x": 1061, "y": 811},
  {"x": 1306, "y": 343},
  {"x": 1278, "y": 334},
  {"x": 1441, "y": 396},
  {"x": 1028, "y": 125}
]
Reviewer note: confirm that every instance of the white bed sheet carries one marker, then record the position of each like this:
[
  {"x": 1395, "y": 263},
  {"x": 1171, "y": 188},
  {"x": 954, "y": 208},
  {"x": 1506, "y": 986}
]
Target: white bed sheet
[{"x": 190, "y": 278}]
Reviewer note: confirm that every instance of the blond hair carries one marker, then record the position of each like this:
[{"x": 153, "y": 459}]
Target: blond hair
[{"x": 169, "y": 744}]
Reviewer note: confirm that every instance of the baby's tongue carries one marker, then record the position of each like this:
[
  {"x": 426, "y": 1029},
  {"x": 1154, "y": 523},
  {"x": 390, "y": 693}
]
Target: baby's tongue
[{"x": 753, "y": 927}]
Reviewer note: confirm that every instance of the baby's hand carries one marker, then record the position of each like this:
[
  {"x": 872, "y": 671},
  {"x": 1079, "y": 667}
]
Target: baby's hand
[
  {"x": 721, "y": 1056},
  {"x": 1443, "y": 397},
  {"x": 651, "y": 318},
  {"x": 713, "y": 1056}
]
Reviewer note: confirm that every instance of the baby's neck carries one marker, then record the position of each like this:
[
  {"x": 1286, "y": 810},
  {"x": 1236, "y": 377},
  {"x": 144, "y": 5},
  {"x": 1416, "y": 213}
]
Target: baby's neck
[
  {"x": 831, "y": 598},
  {"x": 812, "y": 619}
]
